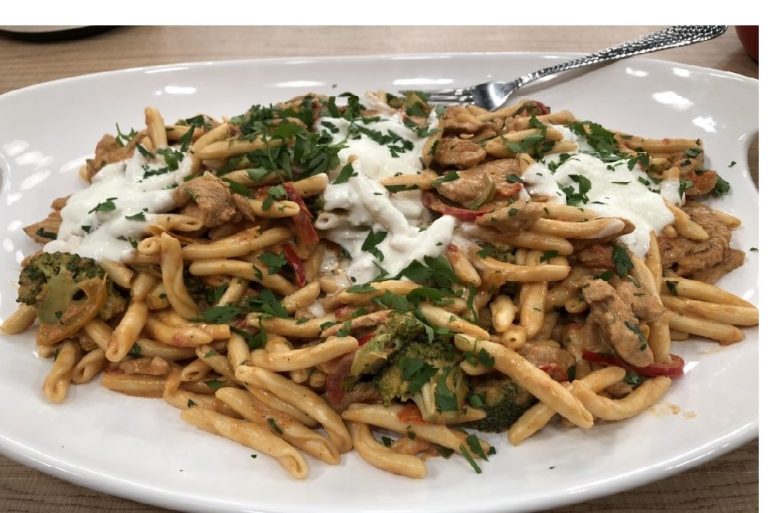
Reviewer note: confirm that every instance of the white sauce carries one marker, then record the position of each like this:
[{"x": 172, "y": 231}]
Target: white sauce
[
  {"x": 110, "y": 233},
  {"x": 361, "y": 205},
  {"x": 377, "y": 161},
  {"x": 616, "y": 192}
]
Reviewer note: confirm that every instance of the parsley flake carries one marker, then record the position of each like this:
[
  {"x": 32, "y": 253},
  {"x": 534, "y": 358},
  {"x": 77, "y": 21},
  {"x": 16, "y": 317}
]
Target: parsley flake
[
  {"x": 371, "y": 241},
  {"x": 107, "y": 205},
  {"x": 137, "y": 217}
]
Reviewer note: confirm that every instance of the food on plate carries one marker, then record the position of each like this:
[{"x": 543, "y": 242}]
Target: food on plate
[{"x": 379, "y": 274}]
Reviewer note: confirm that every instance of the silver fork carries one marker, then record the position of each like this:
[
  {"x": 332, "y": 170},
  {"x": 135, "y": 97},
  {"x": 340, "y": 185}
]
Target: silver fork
[{"x": 492, "y": 95}]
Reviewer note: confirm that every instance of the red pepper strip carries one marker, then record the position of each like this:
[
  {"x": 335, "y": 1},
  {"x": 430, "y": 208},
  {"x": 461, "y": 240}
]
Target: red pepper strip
[
  {"x": 543, "y": 109},
  {"x": 673, "y": 369},
  {"x": 432, "y": 202},
  {"x": 555, "y": 372},
  {"x": 410, "y": 414},
  {"x": 334, "y": 381},
  {"x": 364, "y": 339},
  {"x": 296, "y": 264},
  {"x": 303, "y": 220}
]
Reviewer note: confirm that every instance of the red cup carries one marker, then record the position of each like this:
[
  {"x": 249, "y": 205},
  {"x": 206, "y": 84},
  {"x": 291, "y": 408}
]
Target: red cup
[{"x": 749, "y": 37}]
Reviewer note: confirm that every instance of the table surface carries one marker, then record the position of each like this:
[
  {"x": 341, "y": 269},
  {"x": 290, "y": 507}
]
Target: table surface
[{"x": 727, "y": 484}]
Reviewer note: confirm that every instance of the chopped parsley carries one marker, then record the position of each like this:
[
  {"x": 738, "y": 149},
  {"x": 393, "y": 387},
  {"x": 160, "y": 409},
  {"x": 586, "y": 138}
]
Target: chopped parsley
[
  {"x": 238, "y": 188},
  {"x": 221, "y": 314},
  {"x": 643, "y": 158},
  {"x": 267, "y": 303},
  {"x": 416, "y": 372},
  {"x": 274, "y": 193},
  {"x": 130, "y": 240},
  {"x": 550, "y": 253},
  {"x": 481, "y": 357},
  {"x": 444, "y": 398},
  {"x": 214, "y": 384},
  {"x": 450, "y": 176},
  {"x": 693, "y": 152},
  {"x": 721, "y": 187},
  {"x": 258, "y": 175},
  {"x": 393, "y": 301},
  {"x": 475, "y": 400},
  {"x": 371, "y": 241},
  {"x": 274, "y": 425},
  {"x": 633, "y": 378},
  {"x": 672, "y": 287},
  {"x": 274, "y": 262},
  {"x": 361, "y": 289},
  {"x": 420, "y": 129},
  {"x": 186, "y": 139},
  {"x": 621, "y": 260},
  {"x": 145, "y": 152},
  {"x": 254, "y": 340},
  {"x": 108, "y": 205},
  {"x": 474, "y": 445},
  {"x": 345, "y": 174},
  {"x": 122, "y": 139},
  {"x": 391, "y": 140},
  {"x": 213, "y": 294},
  {"x": 44, "y": 234},
  {"x": 536, "y": 145},
  {"x": 434, "y": 270},
  {"x": 684, "y": 186},
  {"x": 470, "y": 460},
  {"x": 634, "y": 328},
  {"x": 137, "y": 217},
  {"x": 576, "y": 198},
  {"x": 600, "y": 138},
  {"x": 399, "y": 188},
  {"x": 553, "y": 165}
]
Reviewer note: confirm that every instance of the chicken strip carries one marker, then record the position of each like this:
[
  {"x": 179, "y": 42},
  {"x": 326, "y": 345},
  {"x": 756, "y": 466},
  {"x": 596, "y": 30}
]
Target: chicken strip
[{"x": 617, "y": 323}]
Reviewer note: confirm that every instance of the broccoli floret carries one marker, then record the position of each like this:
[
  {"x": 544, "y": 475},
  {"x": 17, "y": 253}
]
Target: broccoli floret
[
  {"x": 504, "y": 401},
  {"x": 65, "y": 289},
  {"x": 427, "y": 373},
  {"x": 400, "y": 329},
  {"x": 45, "y": 266}
]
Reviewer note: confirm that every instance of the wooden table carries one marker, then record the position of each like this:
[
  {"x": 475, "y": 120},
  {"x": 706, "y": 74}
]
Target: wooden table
[{"x": 728, "y": 484}]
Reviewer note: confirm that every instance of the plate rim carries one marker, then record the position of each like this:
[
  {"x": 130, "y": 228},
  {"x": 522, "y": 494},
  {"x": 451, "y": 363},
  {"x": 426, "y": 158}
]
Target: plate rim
[
  {"x": 142, "y": 492},
  {"x": 753, "y": 82}
]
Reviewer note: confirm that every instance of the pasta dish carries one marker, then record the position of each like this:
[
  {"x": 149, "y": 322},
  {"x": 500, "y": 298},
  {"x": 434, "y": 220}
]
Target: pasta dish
[{"x": 377, "y": 274}]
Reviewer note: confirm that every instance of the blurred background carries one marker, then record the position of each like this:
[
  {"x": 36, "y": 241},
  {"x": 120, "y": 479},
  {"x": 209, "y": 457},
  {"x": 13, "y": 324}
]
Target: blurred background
[{"x": 38, "y": 54}]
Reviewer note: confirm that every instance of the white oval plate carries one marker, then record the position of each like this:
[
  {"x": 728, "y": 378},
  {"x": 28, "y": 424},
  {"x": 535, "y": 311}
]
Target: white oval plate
[{"x": 140, "y": 449}]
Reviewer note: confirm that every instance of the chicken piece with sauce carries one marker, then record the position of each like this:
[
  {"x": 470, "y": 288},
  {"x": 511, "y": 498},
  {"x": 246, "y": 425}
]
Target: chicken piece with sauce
[
  {"x": 617, "y": 323},
  {"x": 213, "y": 201},
  {"x": 706, "y": 260}
]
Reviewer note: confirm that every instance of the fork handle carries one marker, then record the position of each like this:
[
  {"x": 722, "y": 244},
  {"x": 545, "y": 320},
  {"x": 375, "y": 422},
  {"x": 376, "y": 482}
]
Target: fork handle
[{"x": 670, "y": 37}]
